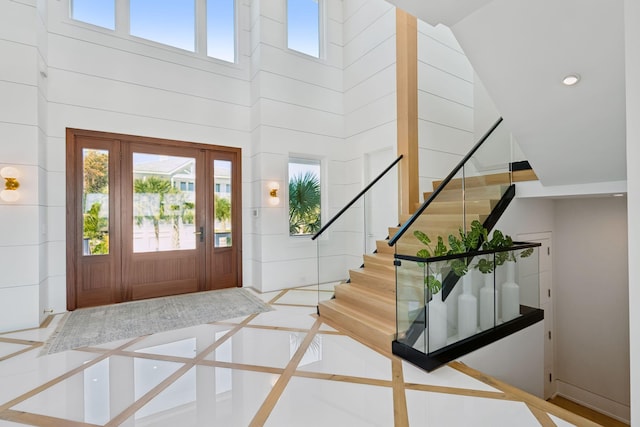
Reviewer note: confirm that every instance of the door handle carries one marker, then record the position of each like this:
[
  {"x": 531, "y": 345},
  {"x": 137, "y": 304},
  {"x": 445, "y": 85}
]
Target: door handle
[{"x": 200, "y": 233}]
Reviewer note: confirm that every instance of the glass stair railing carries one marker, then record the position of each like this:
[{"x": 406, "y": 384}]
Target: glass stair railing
[
  {"x": 432, "y": 245},
  {"x": 497, "y": 295},
  {"x": 363, "y": 285}
]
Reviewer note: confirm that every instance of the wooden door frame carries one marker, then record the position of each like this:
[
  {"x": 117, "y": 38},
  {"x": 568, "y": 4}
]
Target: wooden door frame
[
  {"x": 74, "y": 218},
  {"x": 236, "y": 213}
]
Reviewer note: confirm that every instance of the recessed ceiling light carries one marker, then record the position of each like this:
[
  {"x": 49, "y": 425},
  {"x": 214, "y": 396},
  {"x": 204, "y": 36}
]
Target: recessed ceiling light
[
  {"x": 618, "y": 195},
  {"x": 571, "y": 79}
]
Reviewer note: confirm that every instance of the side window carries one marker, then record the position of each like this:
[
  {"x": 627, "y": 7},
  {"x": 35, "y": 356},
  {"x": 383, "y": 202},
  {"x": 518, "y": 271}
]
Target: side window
[
  {"x": 303, "y": 26},
  {"x": 304, "y": 196}
]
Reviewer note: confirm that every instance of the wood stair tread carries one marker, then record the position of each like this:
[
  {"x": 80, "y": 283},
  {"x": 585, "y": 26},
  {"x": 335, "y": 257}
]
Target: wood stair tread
[
  {"x": 382, "y": 246},
  {"x": 374, "y": 321},
  {"x": 437, "y": 219},
  {"x": 474, "y": 193},
  {"x": 380, "y": 261},
  {"x": 481, "y": 207},
  {"x": 370, "y": 330},
  {"x": 476, "y": 181},
  {"x": 367, "y": 300}
]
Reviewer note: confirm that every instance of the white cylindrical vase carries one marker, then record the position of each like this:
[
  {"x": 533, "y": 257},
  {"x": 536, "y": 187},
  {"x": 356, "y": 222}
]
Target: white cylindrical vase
[
  {"x": 437, "y": 322},
  {"x": 488, "y": 303},
  {"x": 467, "y": 308},
  {"x": 510, "y": 295}
]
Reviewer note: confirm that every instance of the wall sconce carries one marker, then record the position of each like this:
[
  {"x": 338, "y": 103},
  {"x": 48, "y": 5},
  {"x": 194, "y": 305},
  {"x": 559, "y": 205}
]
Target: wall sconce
[
  {"x": 11, "y": 184},
  {"x": 273, "y": 193}
]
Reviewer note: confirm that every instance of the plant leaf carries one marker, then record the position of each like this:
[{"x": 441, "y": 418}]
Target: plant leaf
[
  {"x": 423, "y": 253},
  {"x": 526, "y": 253},
  {"x": 456, "y": 245},
  {"x": 501, "y": 257},
  {"x": 441, "y": 249},
  {"x": 433, "y": 284},
  {"x": 459, "y": 267},
  {"x": 424, "y": 239},
  {"x": 485, "y": 266}
]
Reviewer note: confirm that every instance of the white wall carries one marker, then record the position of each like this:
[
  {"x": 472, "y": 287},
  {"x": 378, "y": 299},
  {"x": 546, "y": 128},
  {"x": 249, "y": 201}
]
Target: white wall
[
  {"x": 517, "y": 359},
  {"x": 525, "y": 216},
  {"x": 632, "y": 50},
  {"x": 297, "y": 110},
  {"x": 590, "y": 294},
  {"x": 370, "y": 105},
  {"x": 445, "y": 103},
  {"x": 591, "y": 300},
  {"x": 21, "y": 244}
]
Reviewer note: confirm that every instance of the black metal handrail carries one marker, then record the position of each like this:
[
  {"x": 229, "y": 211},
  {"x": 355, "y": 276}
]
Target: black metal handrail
[
  {"x": 355, "y": 199},
  {"x": 516, "y": 247},
  {"x": 442, "y": 185}
]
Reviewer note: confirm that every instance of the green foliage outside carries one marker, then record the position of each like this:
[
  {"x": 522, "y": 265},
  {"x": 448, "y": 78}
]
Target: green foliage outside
[
  {"x": 162, "y": 187},
  {"x": 96, "y": 231},
  {"x": 96, "y": 172},
  {"x": 304, "y": 204},
  {"x": 222, "y": 209}
]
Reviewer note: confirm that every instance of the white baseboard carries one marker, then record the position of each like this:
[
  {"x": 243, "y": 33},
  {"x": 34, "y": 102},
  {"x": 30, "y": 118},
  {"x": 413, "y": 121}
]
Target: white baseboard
[{"x": 593, "y": 401}]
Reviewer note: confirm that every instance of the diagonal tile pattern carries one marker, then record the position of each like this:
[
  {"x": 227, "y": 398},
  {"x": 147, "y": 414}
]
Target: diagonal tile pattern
[{"x": 280, "y": 368}]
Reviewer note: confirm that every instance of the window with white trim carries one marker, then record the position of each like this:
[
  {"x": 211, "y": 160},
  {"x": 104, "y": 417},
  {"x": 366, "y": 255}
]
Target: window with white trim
[
  {"x": 304, "y": 196},
  {"x": 96, "y": 12},
  {"x": 169, "y": 22},
  {"x": 303, "y": 26}
]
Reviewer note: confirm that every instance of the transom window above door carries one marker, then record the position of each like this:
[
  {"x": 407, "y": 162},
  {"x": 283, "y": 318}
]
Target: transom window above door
[{"x": 205, "y": 27}]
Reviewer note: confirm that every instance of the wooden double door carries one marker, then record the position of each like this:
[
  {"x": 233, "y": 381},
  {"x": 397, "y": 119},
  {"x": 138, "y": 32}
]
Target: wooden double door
[{"x": 149, "y": 217}]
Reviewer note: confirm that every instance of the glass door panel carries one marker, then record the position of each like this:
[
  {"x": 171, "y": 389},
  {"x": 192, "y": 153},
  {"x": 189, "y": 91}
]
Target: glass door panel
[
  {"x": 164, "y": 203},
  {"x": 222, "y": 203},
  {"x": 95, "y": 202}
]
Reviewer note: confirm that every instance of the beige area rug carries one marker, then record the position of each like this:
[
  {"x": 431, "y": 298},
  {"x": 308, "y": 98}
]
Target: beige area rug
[{"x": 98, "y": 325}]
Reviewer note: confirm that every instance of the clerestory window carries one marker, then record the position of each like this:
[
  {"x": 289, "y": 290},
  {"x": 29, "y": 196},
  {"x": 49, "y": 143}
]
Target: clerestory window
[
  {"x": 169, "y": 22},
  {"x": 303, "y": 26}
]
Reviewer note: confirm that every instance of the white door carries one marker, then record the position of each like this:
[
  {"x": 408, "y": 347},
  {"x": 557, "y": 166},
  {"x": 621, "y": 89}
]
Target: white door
[
  {"x": 546, "y": 303},
  {"x": 381, "y": 202}
]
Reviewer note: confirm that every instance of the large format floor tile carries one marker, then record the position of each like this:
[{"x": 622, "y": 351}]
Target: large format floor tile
[
  {"x": 321, "y": 403},
  {"x": 279, "y": 368}
]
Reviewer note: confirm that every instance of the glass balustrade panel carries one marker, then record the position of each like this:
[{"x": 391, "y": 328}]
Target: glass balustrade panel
[
  {"x": 487, "y": 175},
  {"x": 340, "y": 248},
  {"x": 495, "y": 289}
]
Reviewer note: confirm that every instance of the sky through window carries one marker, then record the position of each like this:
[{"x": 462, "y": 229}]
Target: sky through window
[{"x": 303, "y": 26}]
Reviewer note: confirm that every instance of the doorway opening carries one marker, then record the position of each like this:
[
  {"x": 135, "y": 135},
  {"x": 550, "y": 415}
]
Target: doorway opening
[{"x": 149, "y": 217}]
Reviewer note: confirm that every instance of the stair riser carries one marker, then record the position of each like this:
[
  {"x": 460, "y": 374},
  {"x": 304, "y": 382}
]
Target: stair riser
[
  {"x": 476, "y": 181},
  {"x": 482, "y": 193},
  {"x": 383, "y": 247},
  {"x": 354, "y": 326},
  {"x": 433, "y": 234},
  {"x": 447, "y": 221},
  {"x": 382, "y": 307},
  {"x": 382, "y": 282},
  {"x": 383, "y": 269},
  {"x": 378, "y": 261}
]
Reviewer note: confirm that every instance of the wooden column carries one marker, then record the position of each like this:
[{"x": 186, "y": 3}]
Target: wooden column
[{"x": 407, "y": 100}]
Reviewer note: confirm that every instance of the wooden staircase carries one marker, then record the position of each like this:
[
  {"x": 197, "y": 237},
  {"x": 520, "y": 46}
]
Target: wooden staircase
[{"x": 366, "y": 306}]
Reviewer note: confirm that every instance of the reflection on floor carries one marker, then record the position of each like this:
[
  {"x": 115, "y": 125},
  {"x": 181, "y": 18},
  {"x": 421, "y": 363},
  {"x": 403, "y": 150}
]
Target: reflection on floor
[{"x": 281, "y": 368}]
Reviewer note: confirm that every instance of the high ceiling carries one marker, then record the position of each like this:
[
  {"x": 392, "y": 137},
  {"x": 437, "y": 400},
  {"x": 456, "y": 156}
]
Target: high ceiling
[{"x": 521, "y": 50}]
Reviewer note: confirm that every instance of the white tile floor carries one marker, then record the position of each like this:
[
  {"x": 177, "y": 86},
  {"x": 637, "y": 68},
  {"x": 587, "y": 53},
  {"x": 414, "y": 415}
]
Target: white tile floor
[{"x": 280, "y": 368}]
